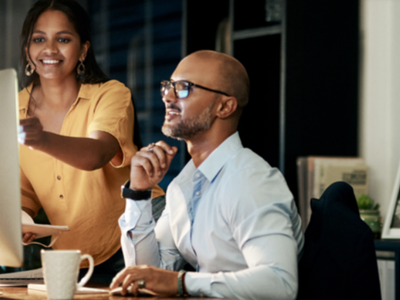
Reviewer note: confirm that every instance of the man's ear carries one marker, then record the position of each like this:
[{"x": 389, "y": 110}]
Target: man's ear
[{"x": 227, "y": 106}]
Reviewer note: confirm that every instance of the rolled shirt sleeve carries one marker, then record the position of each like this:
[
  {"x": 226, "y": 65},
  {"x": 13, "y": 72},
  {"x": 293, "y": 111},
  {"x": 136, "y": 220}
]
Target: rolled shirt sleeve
[{"x": 144, "y": 243}]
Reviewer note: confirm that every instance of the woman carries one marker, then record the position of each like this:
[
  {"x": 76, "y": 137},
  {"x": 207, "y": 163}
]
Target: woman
[{"x": 76, "y": 129}]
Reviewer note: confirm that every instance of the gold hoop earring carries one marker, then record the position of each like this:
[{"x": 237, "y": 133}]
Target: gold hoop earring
[
  {"x": 81, "y": 68},
  {"x": 29, "y": 69}
]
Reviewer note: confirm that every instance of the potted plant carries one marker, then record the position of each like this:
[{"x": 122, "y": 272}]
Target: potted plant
[{"x": 370, "y": 214}]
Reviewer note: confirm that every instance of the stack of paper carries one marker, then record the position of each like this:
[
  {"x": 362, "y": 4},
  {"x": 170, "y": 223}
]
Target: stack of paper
[{"x": 80, "y": 291}]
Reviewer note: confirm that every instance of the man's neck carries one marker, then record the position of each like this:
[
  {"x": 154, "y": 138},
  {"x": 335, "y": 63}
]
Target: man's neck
[{"x": 203, "y": 144}]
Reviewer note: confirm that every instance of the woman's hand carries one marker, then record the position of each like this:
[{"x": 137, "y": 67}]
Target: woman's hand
[
  {"x": 31, "y": 133},
  {"x": 27, "y": 218},
  {"x": 28, "y": 237},
  {"x": 150, "y": 164},
  {"x": 157, "y": 281},
  {"x": 84, "y": 153}
]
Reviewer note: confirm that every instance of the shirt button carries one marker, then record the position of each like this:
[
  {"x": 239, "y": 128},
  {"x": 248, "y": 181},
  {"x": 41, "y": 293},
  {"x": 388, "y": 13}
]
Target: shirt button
[
  {"x": 197, "y": 175},
  {"x": 61, "y": 197},
  {"x": 59, "y": 177},
  {"x": 197, "y": 193}
]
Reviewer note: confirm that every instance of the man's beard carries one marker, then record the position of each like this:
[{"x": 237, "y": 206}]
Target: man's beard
[{"x": 188, "y": 128}]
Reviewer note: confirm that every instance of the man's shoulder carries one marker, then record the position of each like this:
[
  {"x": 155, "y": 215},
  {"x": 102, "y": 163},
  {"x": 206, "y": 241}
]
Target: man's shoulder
[
  {"x": 245, "y": 158},
  {"x": 248, "y": 173}
]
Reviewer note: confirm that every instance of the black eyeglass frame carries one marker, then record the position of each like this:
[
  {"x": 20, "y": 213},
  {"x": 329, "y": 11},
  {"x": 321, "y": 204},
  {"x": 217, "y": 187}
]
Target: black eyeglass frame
[{"x": 189, "y": 85}]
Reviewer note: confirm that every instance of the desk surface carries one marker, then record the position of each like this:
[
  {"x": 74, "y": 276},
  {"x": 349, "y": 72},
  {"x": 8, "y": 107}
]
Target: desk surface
[{"x": 22, "y": 293}]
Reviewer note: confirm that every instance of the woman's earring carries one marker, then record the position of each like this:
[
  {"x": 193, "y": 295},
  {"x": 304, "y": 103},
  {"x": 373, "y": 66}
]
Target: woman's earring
[
  {"x": 29, "y": 70},
  {"x": 81, "y": 68}
]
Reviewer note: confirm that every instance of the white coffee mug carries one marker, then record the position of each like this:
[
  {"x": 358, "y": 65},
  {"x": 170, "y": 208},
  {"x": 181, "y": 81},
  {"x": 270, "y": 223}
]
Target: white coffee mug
[{"x": 60, "y": 272}]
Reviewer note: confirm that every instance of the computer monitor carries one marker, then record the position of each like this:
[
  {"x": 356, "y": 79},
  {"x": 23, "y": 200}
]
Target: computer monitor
[{"x": 11, "y": 249}]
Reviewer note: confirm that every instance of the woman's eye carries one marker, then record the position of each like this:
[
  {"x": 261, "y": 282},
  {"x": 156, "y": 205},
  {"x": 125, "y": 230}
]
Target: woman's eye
[
  {"x": 61, "y": 40},
  {"x": 38, "y": 40}
]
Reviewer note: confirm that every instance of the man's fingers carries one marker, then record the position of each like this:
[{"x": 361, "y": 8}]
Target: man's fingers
[
  {"x": 172, "y": 153},
  {"x": 118, "y": 279},
  {"x": 127, "y": 278},
  {"x": 129, "y": 281},
  {"x": 165, "y": 154},
  {"x": 167, "y": 148},
  {"x": 155, "y": 158},
  {"x": 141, "y": 160}
]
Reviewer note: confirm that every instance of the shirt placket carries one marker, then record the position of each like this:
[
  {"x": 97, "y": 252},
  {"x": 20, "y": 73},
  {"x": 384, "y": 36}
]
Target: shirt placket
[
  {"x": 59, "y": 180},
  {"x": 198, "y": 183}
]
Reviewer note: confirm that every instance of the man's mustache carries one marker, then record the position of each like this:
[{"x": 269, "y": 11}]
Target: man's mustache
[{"x": 173, "y": 106}]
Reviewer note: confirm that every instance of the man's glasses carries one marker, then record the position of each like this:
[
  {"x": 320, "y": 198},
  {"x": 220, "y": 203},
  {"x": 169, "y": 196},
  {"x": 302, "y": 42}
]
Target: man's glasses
[{"x": 182, "y": 88}]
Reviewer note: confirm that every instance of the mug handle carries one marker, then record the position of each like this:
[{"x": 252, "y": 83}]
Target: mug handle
[{"x": 89, "y": 273}]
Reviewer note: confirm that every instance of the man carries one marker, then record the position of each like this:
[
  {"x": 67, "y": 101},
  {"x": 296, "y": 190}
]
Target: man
[{"x": 228, "y": 213}]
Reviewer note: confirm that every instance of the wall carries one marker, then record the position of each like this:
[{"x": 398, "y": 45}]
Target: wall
[
  {"x": 379, "y": 134},
  {"x": 12, "y": 15}
]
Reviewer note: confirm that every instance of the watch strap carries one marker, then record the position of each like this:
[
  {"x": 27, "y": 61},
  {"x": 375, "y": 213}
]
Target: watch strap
[{"x": 128, "y": 193}]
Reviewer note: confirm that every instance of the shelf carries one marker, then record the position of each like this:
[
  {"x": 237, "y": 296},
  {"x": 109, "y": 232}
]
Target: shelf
[{"x": 256, "y": 32}]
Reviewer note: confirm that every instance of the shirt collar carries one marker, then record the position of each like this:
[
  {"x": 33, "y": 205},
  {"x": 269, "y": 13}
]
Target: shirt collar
[
  {"x": 84, "y": 93},
  {"x": 217, "y": 159}
]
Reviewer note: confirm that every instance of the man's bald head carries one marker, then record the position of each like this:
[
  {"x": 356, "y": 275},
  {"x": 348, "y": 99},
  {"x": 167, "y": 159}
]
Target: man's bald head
[{"x": 231, "y": 75}]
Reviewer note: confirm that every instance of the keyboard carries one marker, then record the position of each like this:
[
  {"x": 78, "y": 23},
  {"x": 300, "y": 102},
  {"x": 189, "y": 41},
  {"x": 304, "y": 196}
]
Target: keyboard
[{"x": 22, "y": 278}]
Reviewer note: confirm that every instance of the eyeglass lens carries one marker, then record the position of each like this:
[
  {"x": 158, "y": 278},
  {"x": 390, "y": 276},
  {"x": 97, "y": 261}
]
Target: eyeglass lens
[{"x": 181, "y": 89}]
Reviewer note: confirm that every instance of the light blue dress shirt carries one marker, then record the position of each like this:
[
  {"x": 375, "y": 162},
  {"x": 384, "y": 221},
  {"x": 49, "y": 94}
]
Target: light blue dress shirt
[{"x": 233, "y": 219}]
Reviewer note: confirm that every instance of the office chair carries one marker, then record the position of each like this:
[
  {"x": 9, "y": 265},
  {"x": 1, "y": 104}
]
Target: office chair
[
  {"x": 136, "y": 132},
  {"x": 339, "y": 260}
]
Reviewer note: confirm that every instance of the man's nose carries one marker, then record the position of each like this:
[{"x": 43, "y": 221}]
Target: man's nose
[{"x": 169, "y": 95}]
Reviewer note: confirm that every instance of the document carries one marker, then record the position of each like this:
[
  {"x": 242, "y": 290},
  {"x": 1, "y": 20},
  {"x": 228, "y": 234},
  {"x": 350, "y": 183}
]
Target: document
[
  {"x": 80, "y": 291},
  {"x": 41, "y": 230}
]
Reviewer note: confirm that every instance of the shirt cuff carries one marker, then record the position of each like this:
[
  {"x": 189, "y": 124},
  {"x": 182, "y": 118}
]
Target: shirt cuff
[
  {"x": 198, "y": 284},
  {"x": 137, "y": 213}
]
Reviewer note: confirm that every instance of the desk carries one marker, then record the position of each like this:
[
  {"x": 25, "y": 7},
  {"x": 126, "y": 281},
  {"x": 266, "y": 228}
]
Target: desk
[
  {"x": 21, "y": 293},
  {"x": 392, "y": 245}
]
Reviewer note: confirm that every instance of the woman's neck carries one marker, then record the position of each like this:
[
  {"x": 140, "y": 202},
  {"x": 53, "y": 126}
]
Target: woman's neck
[{"x": 57, "y": 95}]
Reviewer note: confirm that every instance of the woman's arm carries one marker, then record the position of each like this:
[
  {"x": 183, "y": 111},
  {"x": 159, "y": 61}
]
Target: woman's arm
[{"x": 82, "y": 153}]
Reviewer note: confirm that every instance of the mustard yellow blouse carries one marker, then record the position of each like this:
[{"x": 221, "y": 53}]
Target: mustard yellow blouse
[{"x": 89, "y": 202}]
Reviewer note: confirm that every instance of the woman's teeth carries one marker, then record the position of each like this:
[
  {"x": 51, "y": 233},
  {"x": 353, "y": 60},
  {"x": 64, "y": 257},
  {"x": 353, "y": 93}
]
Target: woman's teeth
[{"x": 51, "y": 62}]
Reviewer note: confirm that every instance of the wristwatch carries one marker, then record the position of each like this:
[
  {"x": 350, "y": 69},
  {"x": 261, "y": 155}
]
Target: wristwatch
[{"x": 126, "y": 192}]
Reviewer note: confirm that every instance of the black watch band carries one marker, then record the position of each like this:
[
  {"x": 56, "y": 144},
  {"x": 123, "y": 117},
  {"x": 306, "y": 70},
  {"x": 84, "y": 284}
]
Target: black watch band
[{"x": 127, "y": 193}]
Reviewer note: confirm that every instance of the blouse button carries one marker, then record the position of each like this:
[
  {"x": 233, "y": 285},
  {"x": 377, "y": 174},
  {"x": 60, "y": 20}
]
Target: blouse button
[
  {"x": 59, "y": 177},
  {"x": 61, "y": 196}
]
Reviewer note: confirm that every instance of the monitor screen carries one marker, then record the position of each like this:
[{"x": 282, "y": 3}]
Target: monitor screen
[{"x": 11, "y": 249}]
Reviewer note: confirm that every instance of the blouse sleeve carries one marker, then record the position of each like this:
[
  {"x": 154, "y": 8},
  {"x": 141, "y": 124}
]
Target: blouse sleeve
[{"x": 113, "y": 113}]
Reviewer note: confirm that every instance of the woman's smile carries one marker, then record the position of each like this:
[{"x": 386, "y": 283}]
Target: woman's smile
[{"x": 55, "y": 46}]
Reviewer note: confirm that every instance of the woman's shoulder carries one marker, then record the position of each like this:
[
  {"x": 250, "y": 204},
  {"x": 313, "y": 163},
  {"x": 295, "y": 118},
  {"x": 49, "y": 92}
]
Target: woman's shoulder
[{"x": 111, "y": 86}]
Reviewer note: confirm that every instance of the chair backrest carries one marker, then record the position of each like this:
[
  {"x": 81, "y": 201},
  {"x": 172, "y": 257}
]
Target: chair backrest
[
  {"x": 339, "y": 260},
  {"x": 136, "y": 132}
]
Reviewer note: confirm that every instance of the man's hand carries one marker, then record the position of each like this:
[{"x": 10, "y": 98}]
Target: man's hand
[
  {"x": 150, "y": 164},
  {"x": 31, "y": 133},
  {"x": 158, "y": 281}
]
